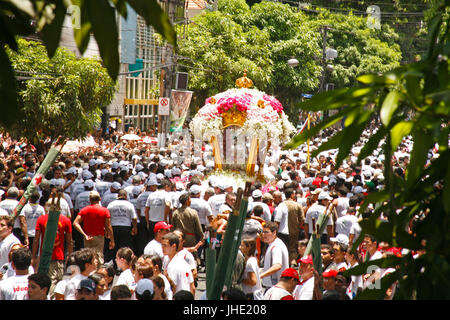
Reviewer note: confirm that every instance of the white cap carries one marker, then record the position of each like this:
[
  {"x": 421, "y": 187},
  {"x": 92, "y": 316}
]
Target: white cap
[
  {"x": 359, "y": 189},
  {"x": 116, "y": 185},
  {"x": 257, "y": 194},
  {"x": 87, "y": 175},
  {"x": 324, "y": 195},
  {"x": 340, "y": 238},
  {"x": 89, "y": 183},
  {"x": 195, "y": 189}
]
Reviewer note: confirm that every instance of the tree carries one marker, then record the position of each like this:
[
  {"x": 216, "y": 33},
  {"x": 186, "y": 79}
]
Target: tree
[
  {"x": 65, "y": 99},
  {"x": 26, "y": 17},
  {"x": 411, "y": 100}
]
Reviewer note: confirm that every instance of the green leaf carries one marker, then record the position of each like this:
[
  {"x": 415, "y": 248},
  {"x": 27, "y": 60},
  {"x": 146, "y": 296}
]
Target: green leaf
[
  {"x": 82, "y": 35},
  {"x": 373, "y": 197},
  {"x": 390, "y": 104},
  {"x": 156, "y": 17},
  {"x": 375, "y": 79},
  {"x": 351, "y": 135},
  {"x": 372, "y": 144},
  {"x": 51, "y": 33},
  {"x": 302, "y": 137},
  {"x": 422, "y": 143},
  {"x": 103, "y": 18},
  {"x": 401, "y": 129}
]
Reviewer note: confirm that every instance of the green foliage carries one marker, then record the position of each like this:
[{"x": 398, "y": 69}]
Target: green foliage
[
  {"x": 96, "y": 17},
  {"x": 411, "y": 100},
  {"x": 67, "y": 98}
]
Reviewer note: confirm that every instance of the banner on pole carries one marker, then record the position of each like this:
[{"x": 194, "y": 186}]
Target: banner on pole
[{"x": 181, "y": 99}]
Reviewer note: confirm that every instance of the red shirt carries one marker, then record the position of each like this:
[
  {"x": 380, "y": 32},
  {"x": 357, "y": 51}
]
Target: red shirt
[
  {"x": 94, "y": 217},
  {"x": 64, "y": 227}
]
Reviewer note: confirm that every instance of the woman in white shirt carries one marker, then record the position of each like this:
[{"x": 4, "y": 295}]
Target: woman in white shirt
[
  {"x": 124, "y": 259},
  {"x": 251, "y": 283}
]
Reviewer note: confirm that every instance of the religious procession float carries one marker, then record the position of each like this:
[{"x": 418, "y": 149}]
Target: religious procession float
[{"x": 242, "y": 124}]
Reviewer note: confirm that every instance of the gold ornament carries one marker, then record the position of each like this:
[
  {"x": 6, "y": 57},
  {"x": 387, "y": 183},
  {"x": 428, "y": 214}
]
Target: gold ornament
[
  {"x": 261, "y": 104},
  {"x": 244, "y": 82},
  {"x": 233, "y": 117},
  {"x": 212, "y": 101}
]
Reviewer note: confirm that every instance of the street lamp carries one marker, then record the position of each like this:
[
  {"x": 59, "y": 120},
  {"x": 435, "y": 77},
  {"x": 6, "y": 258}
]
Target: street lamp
[{"x": 292, "y": 62}]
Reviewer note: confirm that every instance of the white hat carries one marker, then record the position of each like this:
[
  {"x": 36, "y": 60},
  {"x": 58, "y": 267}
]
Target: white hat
[
  {"x": 116, "y": 185},
  {"x": 92, "y": 162},
  {"x": 139, "y": 167},
  {"x": 89, "y": 183},
  {"x": 144, "y": 285},
  {"x": 257, "y": 194},
  {"x": 71, "y": 170},
  {"x": 179, "y": 186},
  {"x": 359, "y": 189},
  {"x": 152, "y": 182},
  {"x": 340, "y": 238},
  {"x": 159, "y": 176},
  {"x": 324, "y": 195},
  {"x": 195, "y": 189},
  {"x": 115, "y": 165},
  {"x": 136, "y": 190},
  {"x": 175, "y": 171},
  {"x": 87, "y": 175}
]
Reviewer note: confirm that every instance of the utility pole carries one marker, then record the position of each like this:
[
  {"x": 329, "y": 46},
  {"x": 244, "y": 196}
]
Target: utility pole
[
  {"x": 324, "y": 56},
  {"x": 167, "y": 77}
]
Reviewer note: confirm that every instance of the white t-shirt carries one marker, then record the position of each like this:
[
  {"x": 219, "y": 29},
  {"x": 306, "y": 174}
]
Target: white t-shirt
[
  {"x": 180, "y": 273},
  {"x": 305, "y": 290},
  {"x": 72, "y": 286},
  {"x": 126, "y": 278},
  {"x": 141, "y": 201},
  {"x": 188, "y": 257},
  {"x": 167, "y": 287},
  {"x": 277, "y": 293},
  {"x": 344, "y": 224},
  {"x": 203, "y": 210},
  {"x": 9, "y": 205},
  {"x": 276, "y": 253},
  {"x": 157, "y": 202},
  {"x": 154, "y": 248},
  {"x": 32, "y": 212},
  {"x": 108, "y": 198},
  {"x": 82, "y": 200},
  {"x": 313, "y": 213},
  {"x": 14, "y": 288},
  {"x": 5, "y": 247},
  {"x": 122, "y": 213},
  {"x": 252, "y": 266},
  {"x": 281, "y": 216},
  {"x": 102, "y": 187},
  {"x": 342, "y": 206},
  {"x": 215, "y": 202}
]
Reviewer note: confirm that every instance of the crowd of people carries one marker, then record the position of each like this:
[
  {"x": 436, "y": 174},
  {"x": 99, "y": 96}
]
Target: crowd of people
[{"x": 135, "y": 221}]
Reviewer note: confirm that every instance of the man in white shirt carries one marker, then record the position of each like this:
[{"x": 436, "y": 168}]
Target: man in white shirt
[
  {"x": 177, "y": 268},
  {"x": 276, "y": 258},
  {"x": 305, "y": 289},
  {"x": 123, "y": 222},
  {"x": 86, "y": 260},
  {"x": 345, "y": 222},
  {"x": 16, "y": 287},
  {"x": 158, "y": 206},
  {"x": 154, "y": 246},
  {"x": 20, "y": 229},
  {"x": 202, "y": 207},
  {"x": 313, "y": 213},
  {"x": 257, "y": 201},
  {"x": 7, "y": 238}
]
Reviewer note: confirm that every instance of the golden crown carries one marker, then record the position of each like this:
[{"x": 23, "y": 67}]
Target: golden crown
[
  {"x": 244, "y": 82},
  {"x": 233, "y": 117}
]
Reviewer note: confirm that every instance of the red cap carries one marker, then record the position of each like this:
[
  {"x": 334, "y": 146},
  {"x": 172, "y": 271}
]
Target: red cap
[
  {"x": 291, "y": 273},
  {"x": 330, "y": 274},
  {"x": 161, "y": 225},
  {"x": 307, "y": 260}
]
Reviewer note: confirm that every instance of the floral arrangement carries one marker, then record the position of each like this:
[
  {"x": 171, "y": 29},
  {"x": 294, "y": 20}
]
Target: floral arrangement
[{"x": 265, "y": 116}]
